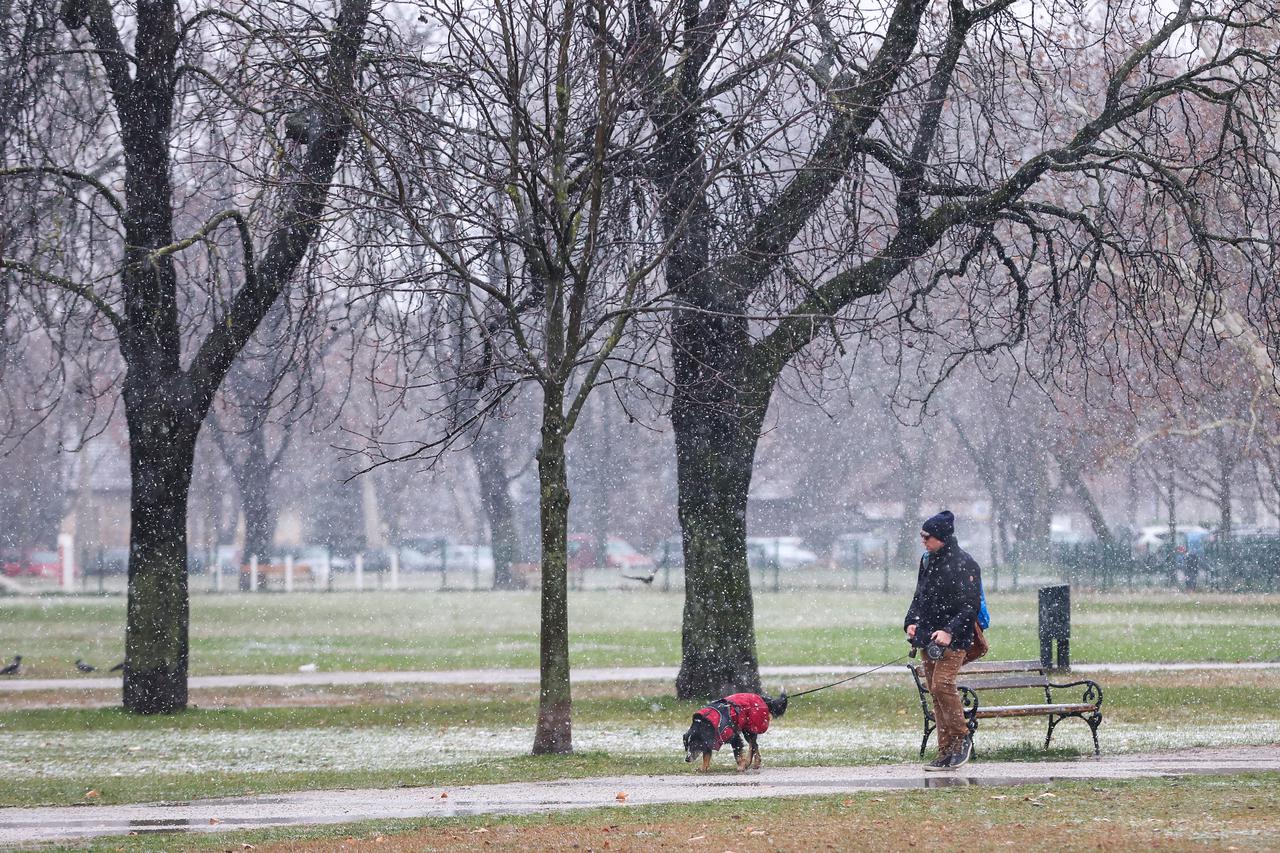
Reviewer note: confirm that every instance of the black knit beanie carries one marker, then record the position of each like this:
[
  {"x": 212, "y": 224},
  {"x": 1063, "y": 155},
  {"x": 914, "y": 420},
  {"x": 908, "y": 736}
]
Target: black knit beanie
[{"x": 941, "y": 525}]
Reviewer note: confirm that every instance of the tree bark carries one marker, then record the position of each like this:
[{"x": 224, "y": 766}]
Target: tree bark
[
  {"x": 554, "y": 733},
  {"x": 1071, "y": 476},
  {"x": 162, "y": 440},
  {"x": 495, "y": 499},
  {"x": 253, "y": 478},
  {"x": 716, "y": 419}
]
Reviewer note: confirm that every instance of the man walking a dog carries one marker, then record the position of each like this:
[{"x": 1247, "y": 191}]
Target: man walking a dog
[{"x": 943, "y": 611}]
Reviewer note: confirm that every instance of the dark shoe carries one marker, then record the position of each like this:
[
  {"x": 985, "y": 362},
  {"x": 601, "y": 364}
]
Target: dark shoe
[
  {"x": 942, "y": 762},
  {"x": 962, "y": 753}
]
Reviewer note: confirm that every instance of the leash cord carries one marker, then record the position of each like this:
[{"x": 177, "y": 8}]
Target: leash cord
[{"x": 850, "y": 678}]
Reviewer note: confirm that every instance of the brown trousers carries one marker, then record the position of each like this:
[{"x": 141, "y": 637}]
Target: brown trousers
[{"x": 948, "y": 710}]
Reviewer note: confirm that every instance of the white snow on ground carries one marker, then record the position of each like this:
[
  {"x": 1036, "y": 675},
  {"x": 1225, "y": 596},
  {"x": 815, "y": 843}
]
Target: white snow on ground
[{"x": 90, "y": 754}]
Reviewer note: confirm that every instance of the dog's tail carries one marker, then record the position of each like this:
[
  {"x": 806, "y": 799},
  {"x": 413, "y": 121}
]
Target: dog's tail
[{"x": 777, "y": 707}]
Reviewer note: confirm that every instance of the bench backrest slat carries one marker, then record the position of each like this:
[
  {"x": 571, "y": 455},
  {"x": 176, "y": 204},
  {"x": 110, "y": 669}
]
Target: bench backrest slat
[
  {"x": 1002, "y": 683},
  {"x": 1028, "y": 668},
  {"x": 989, "y": 666}
]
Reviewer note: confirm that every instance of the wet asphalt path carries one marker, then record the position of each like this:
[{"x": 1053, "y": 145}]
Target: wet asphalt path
[
  {"x": 31, "y": 826},
  {"x": 530, "y": 676}
]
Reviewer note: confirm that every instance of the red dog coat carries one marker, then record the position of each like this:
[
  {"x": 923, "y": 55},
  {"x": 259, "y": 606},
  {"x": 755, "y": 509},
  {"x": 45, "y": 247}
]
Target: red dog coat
[{"x": 741, "y": 712}]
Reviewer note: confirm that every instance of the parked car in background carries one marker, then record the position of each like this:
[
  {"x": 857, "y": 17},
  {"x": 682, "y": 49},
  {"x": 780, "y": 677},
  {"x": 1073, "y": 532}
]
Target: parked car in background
[
  {"x": 1154, "y": 538},
  {"x": 416, "y": 560},
  {"x": 108, "y": 561},
  {"x": 849, "y": 550},
  {"x": 618, "y": 554},
  {"x": 32, "y": 563},
  {"x": 426, "y": 544},
  {"x": 787, "y": 552},
  {"x": 469, "y": 558}
]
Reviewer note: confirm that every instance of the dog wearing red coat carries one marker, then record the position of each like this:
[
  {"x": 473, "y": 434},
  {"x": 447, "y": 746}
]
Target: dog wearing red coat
[{"x": 730, "y": 720}]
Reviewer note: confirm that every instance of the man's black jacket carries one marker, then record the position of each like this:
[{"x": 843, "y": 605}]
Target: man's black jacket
[{"x": 948, "y": 595}]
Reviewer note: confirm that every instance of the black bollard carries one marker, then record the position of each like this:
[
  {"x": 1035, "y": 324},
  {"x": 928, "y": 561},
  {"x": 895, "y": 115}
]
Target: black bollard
[{"x": 1055, "y": 624}]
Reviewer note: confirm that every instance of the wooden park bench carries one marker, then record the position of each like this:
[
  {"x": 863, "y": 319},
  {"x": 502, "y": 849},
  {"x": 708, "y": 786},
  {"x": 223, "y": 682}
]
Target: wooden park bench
[{"x": 1008, "y": 675}]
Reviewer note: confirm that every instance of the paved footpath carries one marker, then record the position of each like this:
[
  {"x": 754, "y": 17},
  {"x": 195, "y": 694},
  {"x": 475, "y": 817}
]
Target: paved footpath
[
  {"x": 530, "y": 676},
  {"x": 29, "y": 826}
]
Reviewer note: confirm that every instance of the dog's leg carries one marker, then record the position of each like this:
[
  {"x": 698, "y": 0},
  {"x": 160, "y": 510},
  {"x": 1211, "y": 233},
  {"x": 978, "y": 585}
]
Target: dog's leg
[
  {"x": 755, "y": 752},
  {"x": 744, "y": 761},
  {"x": 706, "y": 761}
]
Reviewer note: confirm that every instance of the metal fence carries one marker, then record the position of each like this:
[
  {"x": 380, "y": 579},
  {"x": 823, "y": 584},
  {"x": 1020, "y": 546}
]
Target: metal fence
[{"x": 1240, "y": 565}]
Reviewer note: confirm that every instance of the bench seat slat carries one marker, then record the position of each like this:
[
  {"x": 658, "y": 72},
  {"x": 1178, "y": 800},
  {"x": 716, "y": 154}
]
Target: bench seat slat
[
  {"x": 1034, "y": 710},
  {"x": 1002, "y": 683}
]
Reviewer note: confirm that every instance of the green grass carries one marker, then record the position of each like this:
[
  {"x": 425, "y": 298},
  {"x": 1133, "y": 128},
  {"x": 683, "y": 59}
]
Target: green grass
[
  {"x": 1235, "y": 812},
  {"x": 890, "y": 709},
  {"x": 276, "y": 633},
  {"x": 432, "y": 630}
]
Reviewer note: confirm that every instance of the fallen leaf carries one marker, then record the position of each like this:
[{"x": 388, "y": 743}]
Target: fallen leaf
[
  {"x": 621, "y": 797},
  {"x": 444, "y": 795},
  {"x": 91, "y": 795}
]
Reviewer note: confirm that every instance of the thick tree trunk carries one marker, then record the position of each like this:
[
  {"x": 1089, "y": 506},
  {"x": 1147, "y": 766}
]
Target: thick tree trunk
[
  {"x": 495, "y": 499},
  {"x": 162, "y": 449},
  {"x": 554, "y": 734},
  {"x": 716, "y": 421},
  {"x": 718, "y": 638}
]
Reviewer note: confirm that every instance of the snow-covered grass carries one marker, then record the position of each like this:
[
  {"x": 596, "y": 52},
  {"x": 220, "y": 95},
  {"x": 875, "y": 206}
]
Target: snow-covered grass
[
  {"x": 99, "y": 758},
  {"x": 451, "y": 736},
  {"x": 432, "y": 630}
]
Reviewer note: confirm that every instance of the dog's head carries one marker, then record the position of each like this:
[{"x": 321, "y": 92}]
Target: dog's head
[{"x": 700, "y": 739}]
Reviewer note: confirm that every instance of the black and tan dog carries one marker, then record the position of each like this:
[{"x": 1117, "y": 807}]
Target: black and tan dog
[{"x": 730, "y": 720}]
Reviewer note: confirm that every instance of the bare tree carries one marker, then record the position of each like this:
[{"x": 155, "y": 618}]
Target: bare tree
[
  {"x": 162, "y": 75},
  {"x": 537, "y": 249},
  {"x": 938, "y": 175}
]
